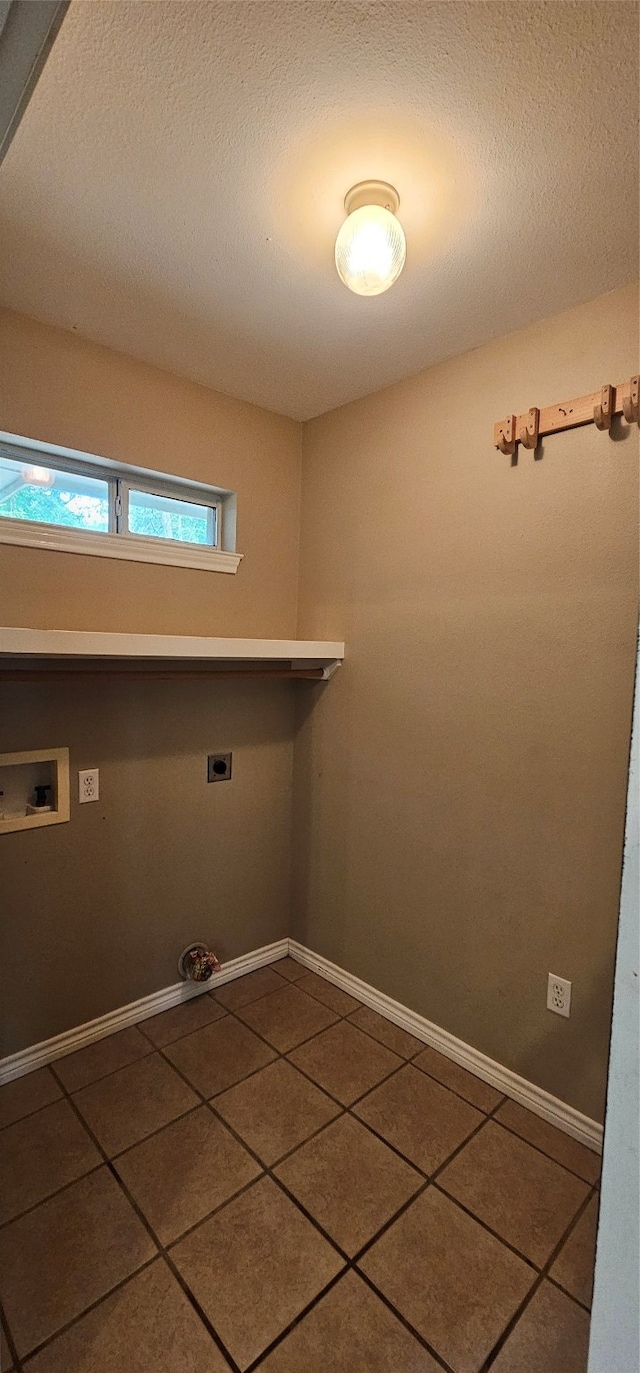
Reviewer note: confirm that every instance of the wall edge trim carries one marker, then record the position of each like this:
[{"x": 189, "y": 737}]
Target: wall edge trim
[
  {"x": 528, "y": 1094},
  {"x": 48, "y": 1050}
]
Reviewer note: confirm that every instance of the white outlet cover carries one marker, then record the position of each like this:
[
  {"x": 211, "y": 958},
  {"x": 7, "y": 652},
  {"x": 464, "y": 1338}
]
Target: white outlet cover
[
  {"x": 558, "y": 995},
  {"x": 88, "y": 786}
]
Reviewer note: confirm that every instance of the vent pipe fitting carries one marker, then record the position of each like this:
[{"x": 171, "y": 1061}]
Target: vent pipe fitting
[{"x": 197, "y": 963}]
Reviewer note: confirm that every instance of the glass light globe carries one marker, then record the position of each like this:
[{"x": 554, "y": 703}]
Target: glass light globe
[
  {"x": 370, "y": 250},
  {"x": 37, "y": 476}
]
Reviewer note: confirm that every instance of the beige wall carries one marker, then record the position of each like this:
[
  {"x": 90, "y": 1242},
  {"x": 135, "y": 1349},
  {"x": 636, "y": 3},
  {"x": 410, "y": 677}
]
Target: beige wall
[
  {"x": 61, "y": 389},
  {"x": 461, "y": 782},
  {"x": 95, "y": 913}
]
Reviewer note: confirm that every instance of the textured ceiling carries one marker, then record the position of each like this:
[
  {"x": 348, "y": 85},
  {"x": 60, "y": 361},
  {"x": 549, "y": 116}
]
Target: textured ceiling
[{"x": 176, "y": 184}]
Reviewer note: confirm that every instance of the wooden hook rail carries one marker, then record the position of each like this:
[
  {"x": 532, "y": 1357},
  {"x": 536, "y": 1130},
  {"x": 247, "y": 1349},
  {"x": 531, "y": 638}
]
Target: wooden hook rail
[{"x": 597, "y": 408}]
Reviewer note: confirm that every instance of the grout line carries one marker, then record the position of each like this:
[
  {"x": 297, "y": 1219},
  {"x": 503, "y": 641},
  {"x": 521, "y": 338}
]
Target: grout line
[
  {"x": 412, "y": 1329},
  {"x": 428, "y": 1178},
  {"x": 160, "y": 1250},
  {"x": 50, "y": 1196},
  {"x": 266, "y": 1171},
  {"x": 44, "y": 1344},
  {"x": 492, "y": 1356},
  {"x": 199, "y": 1310},
  {"x": 454, "y": 1090},
  {"x": 349, "y": 1264},
  {"x": 214, "y": 1021},
  {"x": 112, "y": 1071},
  {"x": 587, "y": 1181},
  {"x": 283, "y": 1158},
  {"x": 169, "y": 1245},
  {"x": 483, "y": 1224},
  {"x": 263, "y": 1356},
  {"x": 16, "y": 1365},
  {"x": 248, "y": 1026},
  {"x": 431, "y": 1179},
  {"x": 454, "y": 1154},
  {"x": 364, "y": 1248},
  {"x": 28, "y": 1114},
  {"x": 565, "y": 1291},
  {"x": 488, "y": 1114},
  {"x": 128, "y": 1149},
  {"x": 279, "y": 1339},
  {"x": 349, "y": 1105}
]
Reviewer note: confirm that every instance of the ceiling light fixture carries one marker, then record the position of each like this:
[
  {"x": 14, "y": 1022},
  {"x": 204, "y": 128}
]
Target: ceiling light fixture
[
  {"x": 371, "y": 247},
  {"x": 37, "y": 476}
]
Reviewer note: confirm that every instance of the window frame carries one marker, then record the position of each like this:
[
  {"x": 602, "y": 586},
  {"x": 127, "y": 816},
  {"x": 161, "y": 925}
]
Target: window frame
[{"x": 119, "y": 542}]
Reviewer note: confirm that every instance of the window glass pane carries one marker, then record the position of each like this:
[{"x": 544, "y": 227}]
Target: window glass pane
[
  {"x": 29, "y": 491},
  {"x": 164, "y": 517}
]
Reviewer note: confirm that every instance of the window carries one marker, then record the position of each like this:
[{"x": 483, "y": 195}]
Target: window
[{"x": 57, "y": 498}]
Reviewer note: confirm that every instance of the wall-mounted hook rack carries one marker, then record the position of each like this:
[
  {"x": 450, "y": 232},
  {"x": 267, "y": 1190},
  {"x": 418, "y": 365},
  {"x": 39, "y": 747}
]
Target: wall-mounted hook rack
[{"x": 599, "y": 408}]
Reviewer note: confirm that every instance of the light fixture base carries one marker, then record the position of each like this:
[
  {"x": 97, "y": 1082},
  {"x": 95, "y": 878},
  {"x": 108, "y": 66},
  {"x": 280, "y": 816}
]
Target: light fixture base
[{"x": 372, "y": 193}]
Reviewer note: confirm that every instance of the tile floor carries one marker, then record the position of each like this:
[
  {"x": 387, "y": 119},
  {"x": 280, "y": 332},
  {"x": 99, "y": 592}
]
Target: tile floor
[{"x": 274, "y": 1177}]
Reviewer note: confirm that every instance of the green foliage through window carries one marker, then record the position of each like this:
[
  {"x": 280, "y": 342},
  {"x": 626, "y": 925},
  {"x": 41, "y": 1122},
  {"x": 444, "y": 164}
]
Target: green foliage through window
[{"x": 50, "y": 506}]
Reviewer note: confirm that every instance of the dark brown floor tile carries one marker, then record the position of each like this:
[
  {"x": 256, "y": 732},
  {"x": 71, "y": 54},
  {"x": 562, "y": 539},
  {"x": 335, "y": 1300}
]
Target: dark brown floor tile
[
  {"x": 26, "y": 1094},
  {"x": 181, "y": 1020},
  {"x": 526, "y": 1198},
  {"x": 254, "y": 1266},
  {"x": 386, "y": 1032},
  {"x": 57, "y": 1260},
  {"x": 41, "y": 1154},
  {"x": 181, "y": 1174},
  {"x": 105, "y": 1056},
  {"x": 286, "y": 1017},
  {"x": 349, "y": 1331},
  {"x": 575, "y": 1263},
  {"x": 345, "y": 1061},
  {"x": 418, "y": 1116},
  {"x": 147, "y": 1326},
  {"x": 328, "y": 993},
  {"x": 551, "y": 1141},
  {"x": 124, "y": 1107},
  {"x": 456, "y": 1285},
  {"x": 289, "y": 968},
  {"x": 552, "y": 1336},
  {"x": 5, "y": 1356},
  {"x": 245, "y": 989},
  {"x": 451, "y": 1075},
  {"x": 349, "y": 1181},
  {"x": 219, "y": 1055},
  {"x": 275, "y": 1109}
]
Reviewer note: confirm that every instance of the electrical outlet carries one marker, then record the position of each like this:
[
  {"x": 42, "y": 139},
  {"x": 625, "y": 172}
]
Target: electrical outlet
[
  {"x": 88, "y": 786},
  {"x": 558, "y": 995}
]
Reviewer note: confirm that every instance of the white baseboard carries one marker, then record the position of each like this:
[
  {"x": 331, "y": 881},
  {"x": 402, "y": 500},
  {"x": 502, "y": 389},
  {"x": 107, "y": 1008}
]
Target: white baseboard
[
  {"x": 542, "y": 1103},
  {"x": 27, "y": 1060}
]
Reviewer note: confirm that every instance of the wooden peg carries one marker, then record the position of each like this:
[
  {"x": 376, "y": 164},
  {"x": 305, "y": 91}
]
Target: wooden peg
[
  {"x": 603, "y": 409},
  {"x": 631, "y": 401},
  {"x": 504, "y": 434},
  {"x": 528, "y": 428}
]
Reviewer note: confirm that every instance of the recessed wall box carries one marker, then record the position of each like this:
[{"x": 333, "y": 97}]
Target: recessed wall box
[{"x": 34, "y": 789}]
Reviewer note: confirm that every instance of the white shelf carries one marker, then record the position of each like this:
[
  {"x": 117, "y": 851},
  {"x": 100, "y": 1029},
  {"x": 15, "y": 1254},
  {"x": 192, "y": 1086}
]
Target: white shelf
[{"x": 77, "y": 647}]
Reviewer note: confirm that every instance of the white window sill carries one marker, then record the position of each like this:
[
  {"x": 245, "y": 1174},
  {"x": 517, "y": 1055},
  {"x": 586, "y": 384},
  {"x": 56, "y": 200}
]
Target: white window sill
[{"x": 141, "y": 549}]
